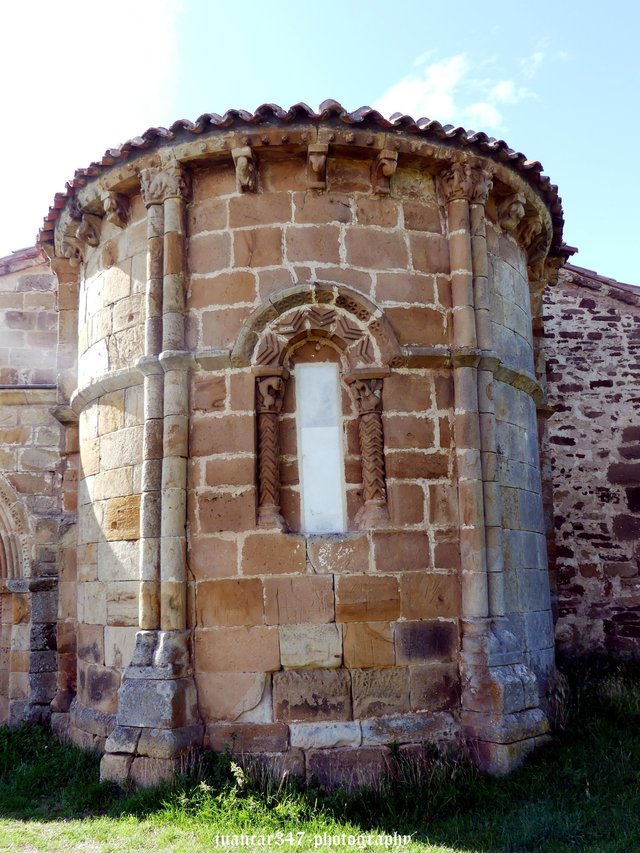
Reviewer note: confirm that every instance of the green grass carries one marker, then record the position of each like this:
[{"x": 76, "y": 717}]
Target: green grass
[{"x": 580, "y": 794}]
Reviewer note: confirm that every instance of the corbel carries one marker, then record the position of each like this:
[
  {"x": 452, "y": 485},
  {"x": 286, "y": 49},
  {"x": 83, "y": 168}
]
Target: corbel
[
  {"x": 89, "y": 229},
  {"x": 245, "y": 169},
  {"x": 72, "y": 251},
  {"x": 317, "y": 166},
  {"x": 116, "y": 208},
  {"x": 511, "y": 211},
  {"x": 384, "y": 166}
]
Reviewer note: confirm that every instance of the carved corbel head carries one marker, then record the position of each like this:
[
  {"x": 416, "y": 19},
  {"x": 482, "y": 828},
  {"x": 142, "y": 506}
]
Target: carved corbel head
[
  {"x": 116, "y": 208},
  {"x": 529, "y": 230},
  {"x": 72, "y": 251},
  {"x": 246, "y": 175},
  {"x": 317, "y": 166},
  {"x": 511, "y": 211},
  {"x": 384, "y": 166},
  {"x": 89, "y": 229}
]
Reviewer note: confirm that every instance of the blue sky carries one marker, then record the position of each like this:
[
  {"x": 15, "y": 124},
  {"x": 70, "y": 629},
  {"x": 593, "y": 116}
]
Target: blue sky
[{"x": 557, "y": 80}]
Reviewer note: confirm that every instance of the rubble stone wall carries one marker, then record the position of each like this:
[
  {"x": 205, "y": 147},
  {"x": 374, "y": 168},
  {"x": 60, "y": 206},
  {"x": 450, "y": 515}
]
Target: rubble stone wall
[
  {"x": 38, "y": 481},
  {"x": 592, "y": 346}
]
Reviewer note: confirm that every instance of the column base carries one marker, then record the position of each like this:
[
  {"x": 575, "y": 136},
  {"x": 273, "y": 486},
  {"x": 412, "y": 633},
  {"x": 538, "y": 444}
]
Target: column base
[
  {"x": 157, "y": 723},
  {"x": 502, "y": 720}
]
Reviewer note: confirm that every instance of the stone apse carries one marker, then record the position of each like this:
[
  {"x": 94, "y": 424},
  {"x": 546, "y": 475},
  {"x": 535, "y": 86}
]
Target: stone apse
[{"x": 298, "y": 363}]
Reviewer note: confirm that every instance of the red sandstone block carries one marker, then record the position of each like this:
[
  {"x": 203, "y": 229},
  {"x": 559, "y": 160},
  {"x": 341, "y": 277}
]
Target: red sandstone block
[
  {"x": 407, "y": 465},
  {"x": 378, "y": 210},
  {"x": 313, "y": 243},
  {"x": 348, "y": 175},
  {"x": 320, "y": 208},
  {"x": 208, "y": 393},
  {"x": 223, "y": 289},
  {"x": 421, "y": 217},
  {"x": 209, "y": 252},
  {"x": 368, "y": 644},
  {"x": 357, "y": 279},
  {"x": 422, "y": 642},
  {"x": 225, "y": 511},
  {"x": 404, "y": 392},
  {"x": 405, "y": 287},
  {"x": 363, "y": 598},
  {"x": 447, "y": 554},
  {"x": 229, "y": 695},
  {"x": 228, "y": 603},
  {"x": 208, "y": 215},
  {"x": 430, "y": 253},
  {"x": 349, "y": 768},
  {"x": 220, "y": 328},
  {"x": 407, "y": 431},
  {"x": 289, "y": 174},
  {"x": 218, "y": 181},
  {"x": 401, "y": 551},
  {"x": 242, "y": 391},
  {"x": 406, "y": 502},
  {"x": 420, "y": 326},
  {"x": 446, "y": 432},
  {"x": 251, "y": 649},
  {"x": 240, "y": 738},
  {"x": 273, "y": 553},
  {"x": 342, "y": 556},
  {"x": 443, "y": 504},
  {"x": 381, "y": 250},
  {"x": 212, "y": 557},
  {"x": 297, "y": 600},
  {"x": 434, "y": 687},
  {"x": 238, "y": 471},
  {"x": 255, "y": 209},
  {"x": 226, "y": 434},
  {"x": 379, "y": 692},
  {"x": 260, "y": 247},
  {"x": 444, "y": 391},
  {"x": 312, "y": 695},
  {"x": 428, "y": 596}
]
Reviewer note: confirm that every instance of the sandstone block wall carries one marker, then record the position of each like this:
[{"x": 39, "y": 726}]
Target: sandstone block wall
[
  {"x": 592, "y": 348},
  {"x": 193, "y": 280}
]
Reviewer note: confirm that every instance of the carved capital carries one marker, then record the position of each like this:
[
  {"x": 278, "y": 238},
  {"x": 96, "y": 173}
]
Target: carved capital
[
  {"x": 317, "y": 166},
  {"x": 368, "y": 395},
  {"x": 159, "y": 184},
  {"x": 89, "y": 229},
  {"x": 384, "y": 166},
  {"x": 457, "y": 181},
  {"x": 246, "y": 175},
  {"x": 269, "y": 394},
  {"x": 481, "y": 184},
  {"x": 511, "y": 211},
  {"x": 116, "y": 209}
]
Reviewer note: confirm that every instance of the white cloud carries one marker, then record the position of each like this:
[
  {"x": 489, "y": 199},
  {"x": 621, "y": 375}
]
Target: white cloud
[
  {"x": 449, "y": 91},
  {"x": 78, "y": 79}
]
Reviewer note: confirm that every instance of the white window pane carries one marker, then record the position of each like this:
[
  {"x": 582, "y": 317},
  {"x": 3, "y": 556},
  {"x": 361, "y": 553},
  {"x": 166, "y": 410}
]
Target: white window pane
[{"x": 320, "y": 448}]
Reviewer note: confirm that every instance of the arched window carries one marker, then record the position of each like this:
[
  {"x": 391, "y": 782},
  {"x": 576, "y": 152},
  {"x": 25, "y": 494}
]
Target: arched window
[{"x": 359, "y": 346}]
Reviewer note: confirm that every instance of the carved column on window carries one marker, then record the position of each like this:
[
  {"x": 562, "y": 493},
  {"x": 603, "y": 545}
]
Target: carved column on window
[
  {"x": 367, "y": 389},
  {"x": 269, "y": 396}
]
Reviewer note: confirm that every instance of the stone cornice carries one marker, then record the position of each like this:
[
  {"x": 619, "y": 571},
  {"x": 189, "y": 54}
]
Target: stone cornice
[{"x": 392, "y": 145}]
